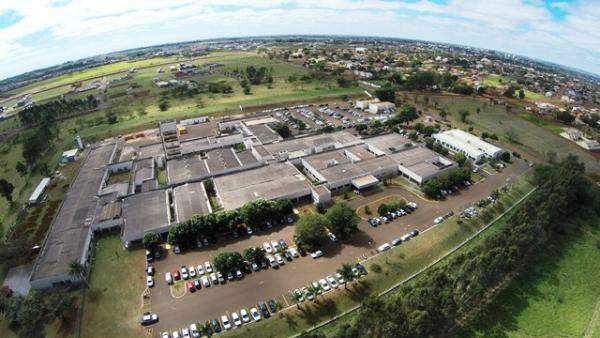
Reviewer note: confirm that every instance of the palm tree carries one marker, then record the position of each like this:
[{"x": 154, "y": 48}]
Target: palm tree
[
  {"x": 346, "y": 272},
  {"x": 78, "y": 270},
  {"x": 314, "y": 291},
  {"x": 296, "y": 297}
]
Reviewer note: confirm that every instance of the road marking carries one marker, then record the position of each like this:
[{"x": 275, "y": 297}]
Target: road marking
[{"x": 285, "y": 299}]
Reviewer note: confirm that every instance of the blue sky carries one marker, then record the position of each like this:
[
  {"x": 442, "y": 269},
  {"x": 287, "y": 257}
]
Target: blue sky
[{"x": 40, "y": 33}]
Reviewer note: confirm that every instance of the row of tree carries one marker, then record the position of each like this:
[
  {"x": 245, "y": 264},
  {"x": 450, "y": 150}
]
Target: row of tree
[
  {"x": 256, "y": 214},
  {"x": 448, "y": 295},
  {"x": 433, "y": 188},
  {"x": 56, "y": 109}
]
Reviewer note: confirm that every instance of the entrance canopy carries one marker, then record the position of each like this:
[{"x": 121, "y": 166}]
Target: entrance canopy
[{"x": 364, "y": 182}]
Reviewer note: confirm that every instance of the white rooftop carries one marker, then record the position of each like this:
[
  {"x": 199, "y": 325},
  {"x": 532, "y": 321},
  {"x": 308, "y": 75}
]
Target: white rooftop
[{"x": 470, "y": 144}]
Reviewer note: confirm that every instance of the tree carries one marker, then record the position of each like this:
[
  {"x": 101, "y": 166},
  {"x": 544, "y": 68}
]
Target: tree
[
  {"x": 382, "y": 209},
  {"x": 386, "y": 93},
  {"x": 111, "y": 117},
  {"x": 346, "y": 272},
  {"x": 21, "y": 168},
  {"x": 151, "y": 241},
  {"x": 443, "y": 114},
  {"x": 464, "y": 114},
  {"x": 314, "y": 291},
  {"x": 297, "y": 297},
  {"x": 407, "y": 114},
  {"x": 78, "y": 270},
  {"x": 311, "y": 231},
  {"x": 551, "y": 156},
  {"x": 343, "y": 220},
  {"x": 505, "y": 156},
  {"x": 6, "y": 189},
  {"x": 421, "y": 80},
  {"x": 228, "y": 262},
  {"x": 521, "y": 94},
  {"x": 282, "y": 129},
  {"x": 510, "y": 91},
  {"x": 255, "y": 254},
  {"x": 163, "y": 105},
  {"x": 361, "y": 128},
  {"x": 432, "y": 188},
  {"x": 460, "y": 158},
  {"x": 564, "y": 116}
]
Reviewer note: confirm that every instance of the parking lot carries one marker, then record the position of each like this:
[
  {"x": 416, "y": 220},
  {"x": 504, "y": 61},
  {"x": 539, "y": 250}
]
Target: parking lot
[{"x": 212, "y": 302}]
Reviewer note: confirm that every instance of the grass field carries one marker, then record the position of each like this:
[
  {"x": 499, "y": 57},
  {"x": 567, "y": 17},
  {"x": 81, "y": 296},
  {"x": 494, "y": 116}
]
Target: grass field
[
  {"x": 396, "y": 265},
  {"x": 112, "y": 303},
  {"x": 555, "y": 297},
  {"x": 494, "y": 80},
  {"x": 532, "y": 138}
]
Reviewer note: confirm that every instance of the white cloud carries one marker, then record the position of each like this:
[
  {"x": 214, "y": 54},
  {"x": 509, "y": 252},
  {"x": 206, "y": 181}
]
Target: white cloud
[{"x": 508, "y": 25}]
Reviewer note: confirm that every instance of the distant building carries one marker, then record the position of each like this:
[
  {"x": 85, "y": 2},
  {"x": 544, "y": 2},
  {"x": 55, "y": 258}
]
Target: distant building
[
  {"x": 472, "y": 146},
  {"x": 69, "y": 155},
  {"x": 382, "y": 107},
  {"x": 39, "y": 191},
  {"x": 364, "y": 104}
]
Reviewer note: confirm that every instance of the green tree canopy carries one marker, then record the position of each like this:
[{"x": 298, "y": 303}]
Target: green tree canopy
[
  {"x": 311, "y": 231},
  {"x": 343, "y": 220}
]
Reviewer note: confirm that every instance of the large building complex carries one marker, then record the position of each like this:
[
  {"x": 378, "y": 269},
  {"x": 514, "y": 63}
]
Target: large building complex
[{"x": 154, "y": 179}]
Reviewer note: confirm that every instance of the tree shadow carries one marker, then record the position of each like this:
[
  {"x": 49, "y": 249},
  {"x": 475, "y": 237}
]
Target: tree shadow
[{"x": 315, "y": 312}]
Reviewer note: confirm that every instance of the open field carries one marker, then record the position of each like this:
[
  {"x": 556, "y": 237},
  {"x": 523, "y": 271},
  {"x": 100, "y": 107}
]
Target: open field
[
  {"x": 556, "y": 296},
  {"x": 530, "y": 137},
  {"x": 396, "y": 265},
  {"x": 112, "y": 303},
  {"x": 494, "y": 80}
]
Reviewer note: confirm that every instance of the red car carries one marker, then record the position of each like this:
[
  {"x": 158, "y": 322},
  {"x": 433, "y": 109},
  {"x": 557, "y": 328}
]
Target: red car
[
  {"x": 176, "y": 275},
  {"x": 190, "y": 286}
]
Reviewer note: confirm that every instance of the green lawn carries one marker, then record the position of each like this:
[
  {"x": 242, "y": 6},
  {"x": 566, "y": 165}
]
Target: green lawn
[
  {"x": 396, "y": 265},
  {"x": 555, "y": 297},
  {"x": 112, "y": 303}
]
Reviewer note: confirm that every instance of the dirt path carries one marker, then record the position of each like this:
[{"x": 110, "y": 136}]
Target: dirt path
[{"x": 589, "y": 330}]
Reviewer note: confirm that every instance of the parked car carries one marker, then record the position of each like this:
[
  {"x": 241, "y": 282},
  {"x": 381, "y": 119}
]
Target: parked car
[
  {"x": 332, "y": 282},
  {"x": 165, "y": 335},
  {"x": 192, "y": 272},
  {"x": 255, "y": 314},
  {"x": 340, "y": 279},
  {"x": 205, "y": 281},
  {"x": 279, "y": 259},
  {"x": 149, "y": 281},
  {"x": 169, "y": 278},
  {"x": 316, "y": 254},
  {"x": 268, "y": 248},
  {"x": 301, "y": 251},
  {"x": 324, "y": 284},
  {"x": 220, "y": 277},
  {"x": 332, "y": 237},
  {"x": 263, "y": 309},
  {"x": 197, "y": 284},
  {"x": 361, "y": 268},
  {"x": 283, "y": 244},
  {"x": 293, "y": 252},
  {"x": 239, "y": 274},
  {"x": 249, "y": 230},
  {"x": 194, "y": 330},
  {"x": 226, "y": 322},
  {"x": 414, "y": 233},
  {"x": 272, "y": 262},
  {"x": 150, "y": 270},
  {"x": 184, "y": 272},
  {"x": 208, "y": 267},
  {"x": 438, "y": 220},
  {"x": 176, "y": 334},
  {"x": 272, "y": 305},
  {"x": 215, "y": 325},
  {"x": 287, "y": 256},
  {"x": 396, "y": 241},
  {"x": 245, "y": 316},
  {"x": 176, "y": 275},
  {"x": 255, "y": 266},
  {"x": 185, "y": 332},
  {"x": 148, "y": 318},
  {"x": 300, "y": 295},
  {"x": 200, "y": 269},
  {"x": 213, "y": 278},
  {"x": 405, "y": 238},
  {"x": 309, "y": 296},
  {"x": 383, "y": 247},
  {"x": 176, "y": 250},
  {"x": 235, "y": 318},
  {"x": 275, "y": 246},
  {"x": 190, "y": 286}
]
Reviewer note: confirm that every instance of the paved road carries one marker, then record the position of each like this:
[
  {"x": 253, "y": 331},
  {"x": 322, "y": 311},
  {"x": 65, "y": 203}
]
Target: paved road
[{"x": 212, "y": 302}]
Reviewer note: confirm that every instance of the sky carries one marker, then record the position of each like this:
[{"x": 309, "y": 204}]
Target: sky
[{"x": 40, "y": 33}]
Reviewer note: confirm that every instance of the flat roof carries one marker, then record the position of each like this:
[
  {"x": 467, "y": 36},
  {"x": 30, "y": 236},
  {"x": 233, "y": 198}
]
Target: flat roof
[
  {"x": 39, "y": 189},
  {"x": 469, "y": 143},
  {"x": 389, "y": 143},
  {"x": 278, "y": 180},
  {"x": 144, "y": 212},
  {"x": 264, "y": 134},
  {"x": 152, "y": 150},
  {"x": 143, "y": 170},
  {"x": 364, "y": 181},
  {"x": 190, "y": 199},
  {"x": 342, "y": 138},
  {"x": 246, "y": 157},
  {"x": 421, "y": 161},
  {"x": 186, "y": 168},
  {"x": 200, "y": 130},
  {"x": 221, "y": 159},
  {"x": 66, "y": 239}
]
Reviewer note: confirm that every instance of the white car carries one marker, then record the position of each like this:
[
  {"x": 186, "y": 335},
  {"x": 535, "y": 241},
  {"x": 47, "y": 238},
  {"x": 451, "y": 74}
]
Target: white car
[
  {"x": 185, "y": 332},
  {"x": 268, "y": 247},
  {"x": 438, "y": 220},
  {"x": 272, "y": 262},
  {"x": 226, "y": 322},
  {"x": 332, "y": 282},
  {"x": 275, "y": 245},
  {"x": 316, "y": 254},
  {"x": 340, "y": 279},
  {"x": 149, "y": 281},
  {"x": 192, "y": 272},
  {"x": 255, "y": 314},
  {"x": 300, "y": 295},
  {"x": 236, "y": 319},
  {"x": 176, "y": 334},
  {"x": 194, "y": 331},
  {"x": 205, "y": 281},
  {"x": 169, "y": 278},
  {"x": 324, "y": 285},
  {"x": 245, "y": 316},
  {"x": 279, "y": 259},
  {"x": 184, "y": 273},
  {"x": 294, "y": 252},
  {"x": 384, "y": 247},
  {"x": 165, "y": 335},
  {"x": 200, "y": 270},
  {"x": 208, "y": 267},
  {"x": 213, "y": 278},
  {"x": 405, "y": 237}
]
